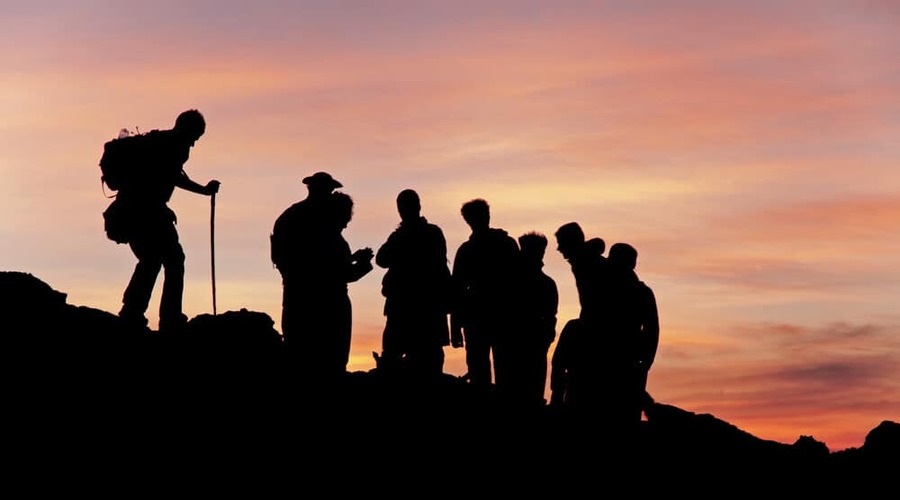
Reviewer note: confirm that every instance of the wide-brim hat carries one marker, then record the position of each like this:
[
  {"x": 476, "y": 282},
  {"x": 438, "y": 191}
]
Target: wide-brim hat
[{"x": 322, "y": 179}]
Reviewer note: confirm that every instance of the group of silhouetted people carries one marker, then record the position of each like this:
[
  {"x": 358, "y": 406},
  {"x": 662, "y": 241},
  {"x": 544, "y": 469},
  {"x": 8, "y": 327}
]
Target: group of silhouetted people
[{"x": 496, "y": 302}]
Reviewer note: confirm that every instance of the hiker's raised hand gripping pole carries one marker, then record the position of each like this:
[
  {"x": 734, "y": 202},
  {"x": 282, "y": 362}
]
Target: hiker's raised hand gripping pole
[{"x": 212, "y": 246}]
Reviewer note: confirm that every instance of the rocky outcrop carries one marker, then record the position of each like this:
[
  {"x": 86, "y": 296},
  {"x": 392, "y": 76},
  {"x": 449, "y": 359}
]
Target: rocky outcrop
[{"x": 76, "y": 371}]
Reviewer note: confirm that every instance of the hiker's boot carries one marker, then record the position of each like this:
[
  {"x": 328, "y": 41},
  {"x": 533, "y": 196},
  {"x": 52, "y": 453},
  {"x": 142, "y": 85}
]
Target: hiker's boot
[
  {"x": 132, "y": 320},
  {"x": 170, "y": 324}
]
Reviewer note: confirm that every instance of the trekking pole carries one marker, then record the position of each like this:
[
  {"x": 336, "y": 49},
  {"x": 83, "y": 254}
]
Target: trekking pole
[{"x": 212, "y": 246}]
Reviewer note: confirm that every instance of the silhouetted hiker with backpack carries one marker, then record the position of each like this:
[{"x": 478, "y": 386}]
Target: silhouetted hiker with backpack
[
  {"x": 539, "y": 304},
  {"x": 632, "y": 336},
  {"x": 483, "y": 316},
  {"x": 140, "y": 216},
  {"x": 417, "y": 291}
]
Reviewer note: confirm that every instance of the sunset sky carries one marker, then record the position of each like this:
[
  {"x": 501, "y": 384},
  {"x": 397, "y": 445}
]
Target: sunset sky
[{"x": 750, "y": 151}]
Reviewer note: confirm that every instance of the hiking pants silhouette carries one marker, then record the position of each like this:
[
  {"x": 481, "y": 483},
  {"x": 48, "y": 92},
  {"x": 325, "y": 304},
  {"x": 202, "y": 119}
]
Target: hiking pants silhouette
[
  {"x": 481, "y": 347},
  {"x": 316, "y": 326},
  {"x": 156, "y": 245}
]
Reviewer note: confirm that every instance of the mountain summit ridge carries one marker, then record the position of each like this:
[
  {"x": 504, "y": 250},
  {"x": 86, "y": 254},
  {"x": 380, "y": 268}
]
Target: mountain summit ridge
[{"x": 75, "y": 367}]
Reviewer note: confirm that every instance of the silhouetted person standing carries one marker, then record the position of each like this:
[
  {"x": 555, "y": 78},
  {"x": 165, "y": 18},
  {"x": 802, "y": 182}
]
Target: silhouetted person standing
[
  {"x": 633, "y": 334},
  {"x": 315, "y": 266},
  {"x": 153, "y": 237},
  {"x": 578, "y": 373},
  {"x": 539, "y": 305},
  {"x": 329, "y": 341},
  {"x": 297, "y": 249},
  {"x": 483, "y": 313},
  {"x": 416, "y": 288}
]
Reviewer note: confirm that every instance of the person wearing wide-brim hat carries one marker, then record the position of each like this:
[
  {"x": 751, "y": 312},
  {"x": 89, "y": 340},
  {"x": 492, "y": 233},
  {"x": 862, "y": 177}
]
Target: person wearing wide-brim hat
[
  {"x": 298, "y": 251},
  {"x": 322, "y": 182},
  {"x": 302, "y": 219}
]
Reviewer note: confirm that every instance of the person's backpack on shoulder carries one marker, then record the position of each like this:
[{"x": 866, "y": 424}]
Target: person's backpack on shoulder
[
  {"x": 283, "y": 241},
  {"x": 121, "y": 159}
]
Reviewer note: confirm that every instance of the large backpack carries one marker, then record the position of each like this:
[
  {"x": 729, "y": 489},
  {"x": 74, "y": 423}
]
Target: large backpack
[
  {"x": 121, "y": 158},
  {"x": 284, "y": 244}
]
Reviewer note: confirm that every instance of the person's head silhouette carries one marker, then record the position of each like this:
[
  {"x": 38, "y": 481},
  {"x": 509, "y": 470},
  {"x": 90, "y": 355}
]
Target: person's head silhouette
[
  {"x": 408, "y": 205},
  {"x": 569, "y": 239},
  {"x": 623, "y": 255},
  {"x": 190, "y": 125},
  {"x": 533, "y": 245},
  {"x": 342, "y": 209},
  {"x": 477, "y": 214}
]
